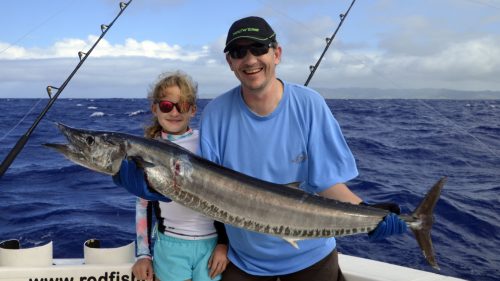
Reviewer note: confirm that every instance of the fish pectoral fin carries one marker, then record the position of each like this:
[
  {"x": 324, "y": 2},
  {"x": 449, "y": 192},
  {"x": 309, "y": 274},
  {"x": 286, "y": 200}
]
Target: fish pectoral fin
[
  {"x": 141, "y": 162},
  {"x": 295, "y": 185},
  {"x": 292, "y": 241}
]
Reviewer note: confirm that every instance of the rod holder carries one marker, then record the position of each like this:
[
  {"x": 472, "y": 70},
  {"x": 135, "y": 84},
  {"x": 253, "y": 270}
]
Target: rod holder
[
  {"x": 49, "y": 90},
  {"x": 104, "y": 27},
  {"x": 81, "y": 54},
  {"x": 328, "y": 41}
]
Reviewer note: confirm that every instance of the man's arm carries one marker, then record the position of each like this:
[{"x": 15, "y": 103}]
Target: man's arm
[
  {"x": 341, "y": 192},
  {"x": 390, "y": 225}
]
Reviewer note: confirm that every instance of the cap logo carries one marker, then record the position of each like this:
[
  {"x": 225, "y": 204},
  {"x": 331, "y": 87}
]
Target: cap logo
[{"x": 248, "y": 29}]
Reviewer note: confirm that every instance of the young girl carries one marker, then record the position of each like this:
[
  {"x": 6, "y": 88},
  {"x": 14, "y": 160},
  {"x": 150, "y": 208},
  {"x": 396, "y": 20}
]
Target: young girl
[{"x": 187, "y": 245}]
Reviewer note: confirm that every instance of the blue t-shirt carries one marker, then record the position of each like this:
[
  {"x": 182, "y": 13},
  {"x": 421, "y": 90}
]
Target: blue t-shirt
[{"x": 300, "y": 141}]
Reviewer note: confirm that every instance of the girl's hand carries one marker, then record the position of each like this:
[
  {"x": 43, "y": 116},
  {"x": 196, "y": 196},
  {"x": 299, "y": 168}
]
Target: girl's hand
[
  {"x": 143, "y": 269},
  {"x": 218, "y": 261}
]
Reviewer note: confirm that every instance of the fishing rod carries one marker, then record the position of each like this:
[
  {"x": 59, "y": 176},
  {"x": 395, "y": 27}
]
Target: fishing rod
[
  {"x": 82, "y": 56},
  {"x": 329, "y": 40}
]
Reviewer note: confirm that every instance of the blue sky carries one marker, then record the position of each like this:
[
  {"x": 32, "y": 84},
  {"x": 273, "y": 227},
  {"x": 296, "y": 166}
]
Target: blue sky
[{"x": 402, "y": 44}]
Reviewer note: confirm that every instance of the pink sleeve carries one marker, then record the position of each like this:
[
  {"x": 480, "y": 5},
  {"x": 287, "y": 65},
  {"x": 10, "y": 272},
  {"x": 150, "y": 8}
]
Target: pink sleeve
[{"x": 141, "y": 227}]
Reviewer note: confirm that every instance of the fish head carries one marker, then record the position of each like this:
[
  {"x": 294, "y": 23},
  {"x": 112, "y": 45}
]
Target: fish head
[{"x": 99, "y": 151}]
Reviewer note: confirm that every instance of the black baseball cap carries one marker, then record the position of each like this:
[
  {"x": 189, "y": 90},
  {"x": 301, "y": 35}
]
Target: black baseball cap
[{"x": 252, "y": 28}]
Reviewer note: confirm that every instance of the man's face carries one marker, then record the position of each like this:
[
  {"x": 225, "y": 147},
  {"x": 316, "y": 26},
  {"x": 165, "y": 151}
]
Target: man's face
[{"x": 251, "y": 66}]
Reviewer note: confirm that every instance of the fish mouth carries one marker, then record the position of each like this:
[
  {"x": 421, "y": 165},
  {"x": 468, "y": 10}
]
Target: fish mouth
[
  {"x": 83, "y": 149},
  {"x": 74, "y": 136},
  {"x": 68, "y": 149},
  {"x": 62, "y": 148},
  {"x": 72, "y": 153},
  {"x": 65, "y": 149}
]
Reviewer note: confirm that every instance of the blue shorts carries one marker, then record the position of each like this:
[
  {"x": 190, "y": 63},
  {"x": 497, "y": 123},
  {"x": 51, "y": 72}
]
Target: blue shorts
[{"x": 178, "y": 259}]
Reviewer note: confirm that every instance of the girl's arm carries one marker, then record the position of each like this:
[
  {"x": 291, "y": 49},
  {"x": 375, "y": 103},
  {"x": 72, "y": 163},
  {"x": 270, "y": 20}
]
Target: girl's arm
[
  {"x": 141, "y": 227},
  {"x": 218, "y": 261}
]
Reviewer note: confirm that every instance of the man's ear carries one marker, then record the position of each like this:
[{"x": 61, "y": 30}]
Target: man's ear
[
  {"x": 228, "y": 59},
  {"x": 277, "y": 54}
]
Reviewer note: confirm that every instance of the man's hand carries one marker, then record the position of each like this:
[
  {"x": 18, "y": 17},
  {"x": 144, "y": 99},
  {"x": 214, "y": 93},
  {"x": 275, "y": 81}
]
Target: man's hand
[
  {"x": 391, "y": 225},
  {"x": 391, "y": 207}
]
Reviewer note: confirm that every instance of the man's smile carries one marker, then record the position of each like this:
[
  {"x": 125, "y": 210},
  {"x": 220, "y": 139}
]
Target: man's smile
[{"x": 253, "y": 70}]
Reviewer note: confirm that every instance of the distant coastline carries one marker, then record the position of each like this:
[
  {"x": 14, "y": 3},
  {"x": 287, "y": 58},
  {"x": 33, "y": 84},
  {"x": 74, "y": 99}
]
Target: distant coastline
[
  {"x": 376, "y": 93},
  {"x": 348, "y": 93}
]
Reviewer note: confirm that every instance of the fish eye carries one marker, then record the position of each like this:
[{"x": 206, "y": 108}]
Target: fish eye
[{"x": 90, "y": 140}]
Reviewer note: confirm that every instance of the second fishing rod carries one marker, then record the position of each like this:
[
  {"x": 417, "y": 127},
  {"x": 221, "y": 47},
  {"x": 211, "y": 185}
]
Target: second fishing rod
[{"x": 329, "y": 41}]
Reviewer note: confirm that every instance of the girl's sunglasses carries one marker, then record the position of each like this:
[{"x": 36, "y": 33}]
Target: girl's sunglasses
[
  {"x": 256, "y": 49},
  {"x": 167, "y": 106}
]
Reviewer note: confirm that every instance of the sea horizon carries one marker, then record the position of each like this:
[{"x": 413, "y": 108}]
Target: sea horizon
[{"x": 340, "y": 93}]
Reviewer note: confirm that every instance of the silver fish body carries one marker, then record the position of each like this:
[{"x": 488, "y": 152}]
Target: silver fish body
[{"x": 234, "y": 198}]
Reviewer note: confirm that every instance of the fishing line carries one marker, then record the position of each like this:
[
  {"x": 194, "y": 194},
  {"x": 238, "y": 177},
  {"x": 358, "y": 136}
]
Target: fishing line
[
  {"x": 444, "y": 120},
  {"x": 21, "y": 121},
  {"x": 328, "y": 42},
  {"x": 83, "y": 56},
  {"x": 454, "y": 125},
  {"x": 483, "y": 3},
  {"x": 460, "y": 129},
  {"x": 280, "y": 11},
  {"x": 37, "y": 27}
]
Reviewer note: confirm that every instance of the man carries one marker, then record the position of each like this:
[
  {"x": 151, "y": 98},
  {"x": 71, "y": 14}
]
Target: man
[{"x": 283, "y": 133}]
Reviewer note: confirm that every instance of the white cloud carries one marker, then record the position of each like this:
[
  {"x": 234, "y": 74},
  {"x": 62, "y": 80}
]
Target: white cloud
[
  {"x": 68, "y": 48},
  {"x": 467, "y": 65},
  {"x": 127, "y": 68},
  {"x": 474, "y": 57}
]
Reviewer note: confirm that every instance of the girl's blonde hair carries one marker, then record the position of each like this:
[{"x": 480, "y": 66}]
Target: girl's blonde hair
[{"x": 187, "y": 86}]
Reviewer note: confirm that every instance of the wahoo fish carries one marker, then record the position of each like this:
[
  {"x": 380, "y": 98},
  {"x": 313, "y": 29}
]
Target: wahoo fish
[{"x": 234, "y": 198}]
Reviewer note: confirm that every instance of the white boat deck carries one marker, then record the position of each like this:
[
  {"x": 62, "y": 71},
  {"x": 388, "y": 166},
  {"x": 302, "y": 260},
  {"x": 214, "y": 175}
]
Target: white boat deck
[
  {"x": 114, "y": 264},
  {"x": 360, "y": 269}
]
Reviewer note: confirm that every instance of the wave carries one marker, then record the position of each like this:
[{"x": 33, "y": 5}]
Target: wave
[
  {"x": 401, "y": 147},
  {"x": 138, "y": 112},
  {"x": 97, "y": 114}
]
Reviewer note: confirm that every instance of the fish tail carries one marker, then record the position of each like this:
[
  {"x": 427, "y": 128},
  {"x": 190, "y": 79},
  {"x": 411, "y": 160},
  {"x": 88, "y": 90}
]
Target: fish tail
[{"x": 424, "y": 214}]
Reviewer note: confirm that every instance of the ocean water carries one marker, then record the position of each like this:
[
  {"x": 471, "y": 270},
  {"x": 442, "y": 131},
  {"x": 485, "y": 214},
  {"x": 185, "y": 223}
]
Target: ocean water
[{"x": 402, "y": 147}]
